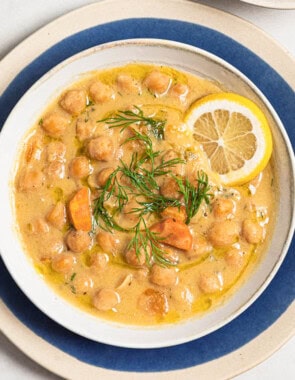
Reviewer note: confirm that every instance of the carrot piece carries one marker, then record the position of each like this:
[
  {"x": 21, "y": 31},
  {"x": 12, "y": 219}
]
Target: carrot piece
[
  {"x": 80, "y": 210},
  {"x": 174, "y": 233}
]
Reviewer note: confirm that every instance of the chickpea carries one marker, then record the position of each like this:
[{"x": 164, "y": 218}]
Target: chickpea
[
  {"x": 130, "y": 217},
  {"x": 30, "y": 179},
  {"x": 210, "y": 282},
  {"x": 84, "y": 130},
  {"x": 106, "y": 299},
  {"x": 101, "y": 148},
  {"x": 170, "y": 188},
  {"x": 55, "y": 151},
  {"x": 158, "y": 83},
  {"x": 177, "y": 213},
  {"x": 171, "y": 255},
  {"x": 55, "y": 125},
  {"x": 133, "y": 259},
  {"x": 82, "y": 283},
  {"x": 74, "y": 101},
  {"x": 132, "y": 145},
  {"x": 101, "y": 92},
  {"x": 153, "y": 302},
  {"x": 179, "y": 91},
  {"x": 222, "y": 234},
  {"x": 50, "y": 249},
  {"x": 57, "y": 216},
  {"x": 200, "y": 247},
  {"x": 80, "y": 167},
  {"x": 127, "y": 84},
  {"x": 55, "y": 170},
  {"x": 108, "y": 242},
  {"x": 223, "y": 208},
  {"x": 78, "y": 241},
  {"x": 34, "y": 148},
  {"x": 63, "y": 263},
  {"x": 39, "y": 226},
  {"x": 234, "y": 258},
  {"x": 99, "y": 261},
  {"x": 103, "y": 176},
  {"x": 252, "y": 231},
  {"x": 163, "y": 276}
]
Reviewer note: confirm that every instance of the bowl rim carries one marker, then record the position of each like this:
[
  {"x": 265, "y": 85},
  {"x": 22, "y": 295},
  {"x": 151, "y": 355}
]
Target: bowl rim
[{"x": 212, "y": 57}]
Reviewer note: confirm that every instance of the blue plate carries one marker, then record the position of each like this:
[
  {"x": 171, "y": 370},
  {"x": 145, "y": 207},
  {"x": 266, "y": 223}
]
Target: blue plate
[{"x": 279, "y": 294}]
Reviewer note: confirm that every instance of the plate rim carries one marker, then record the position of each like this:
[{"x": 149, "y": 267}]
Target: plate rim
[
  {"x": 183, "y": 7},
  {"x": 285, "y": 4}
]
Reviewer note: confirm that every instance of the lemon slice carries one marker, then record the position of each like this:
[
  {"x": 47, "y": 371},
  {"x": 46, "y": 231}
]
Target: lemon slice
[{"x": 233, "y": 133}]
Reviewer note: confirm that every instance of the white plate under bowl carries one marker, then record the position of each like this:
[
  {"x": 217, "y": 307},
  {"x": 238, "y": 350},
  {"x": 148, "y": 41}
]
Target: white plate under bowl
[
  {"x": 277, "y": 4},
  {"x": 28, "y": 111}
]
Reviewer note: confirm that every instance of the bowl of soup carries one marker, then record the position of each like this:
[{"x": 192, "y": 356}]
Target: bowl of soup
[{"x": 146, "y": 201}]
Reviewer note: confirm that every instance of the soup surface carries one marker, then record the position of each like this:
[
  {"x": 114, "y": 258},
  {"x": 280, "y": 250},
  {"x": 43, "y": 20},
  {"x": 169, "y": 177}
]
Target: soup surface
[{"x": 118, "y": 207}]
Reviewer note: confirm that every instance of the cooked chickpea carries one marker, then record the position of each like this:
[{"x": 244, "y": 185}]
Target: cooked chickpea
[
  {"x": 99, "y": 261},
  {"x": 103, "y": 176},
  {"x": 163, "y": 276},
  {"x": 200, "y": 247},
  {"x": 63, "y": 263},
  {"x": 127, "y": 84},
  {"x": 78, "y": 241},
  {"x": 153, "y": 302},
  {"x": 234, "y": 258},
  {"x": 51, "y": 249},
  {"x": 170, "y": 255},
  {"x": 55, "y": 170},
  {"x": 101, "y": 92},
  {"x": 177, "y": 213},
  {"x": 55, "y": 151},
  {"x": 210, "y": 282},
  {"x": 130, "y": 217},
  {"x": 74, "y": 101},
  {"x": 82, "y": 283},
  {"x": 252, "y": 231},
  {"x": 108, "y": 242},
  {"x": 179, "y": 91},
  {"x": 223, "y": 208},
  {"x": 106, "y": 299},
  {"x": 134, "y": 259},
  {"x": 57, "y": 216},
  {"x": 80, "y": 167},
  {"x": 225, "y": 233},
  {"x": 34, "y": 148},
  {"x": 30, "y": 179},
  {"x": 101, "y": 148},
  {"x": 158, "y": 83},
  {"x": 170, "y": 188},
  {"x": 55, "y": 125},
  {"x": 84, "y": 129}
]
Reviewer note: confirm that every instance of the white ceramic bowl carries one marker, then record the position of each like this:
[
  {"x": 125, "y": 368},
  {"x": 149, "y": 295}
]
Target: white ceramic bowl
[{"x": 29, "y": 109}]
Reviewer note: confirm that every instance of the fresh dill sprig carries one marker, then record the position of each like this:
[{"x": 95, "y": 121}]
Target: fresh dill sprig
[
  {"x": 147, "y": 242},
  {"x": 142, "y": 172},
  {"x": 123, "y": 119},
  {"x": 156, "y": 203},
  {"x": 194, "y": 196}
]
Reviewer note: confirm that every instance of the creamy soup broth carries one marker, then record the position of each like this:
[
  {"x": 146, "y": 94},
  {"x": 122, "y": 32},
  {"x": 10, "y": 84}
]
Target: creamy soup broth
[{"x": 122, "y": 268}]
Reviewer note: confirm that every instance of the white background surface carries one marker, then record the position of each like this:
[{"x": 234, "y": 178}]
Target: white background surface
[{"x": 20, "y": 18}]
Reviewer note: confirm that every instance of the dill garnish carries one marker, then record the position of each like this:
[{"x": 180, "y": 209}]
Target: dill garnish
[
  {"x": 126, "y": 118},
  {"x": 142, "y": 172},
  {"x": 194, "y": 196}
]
